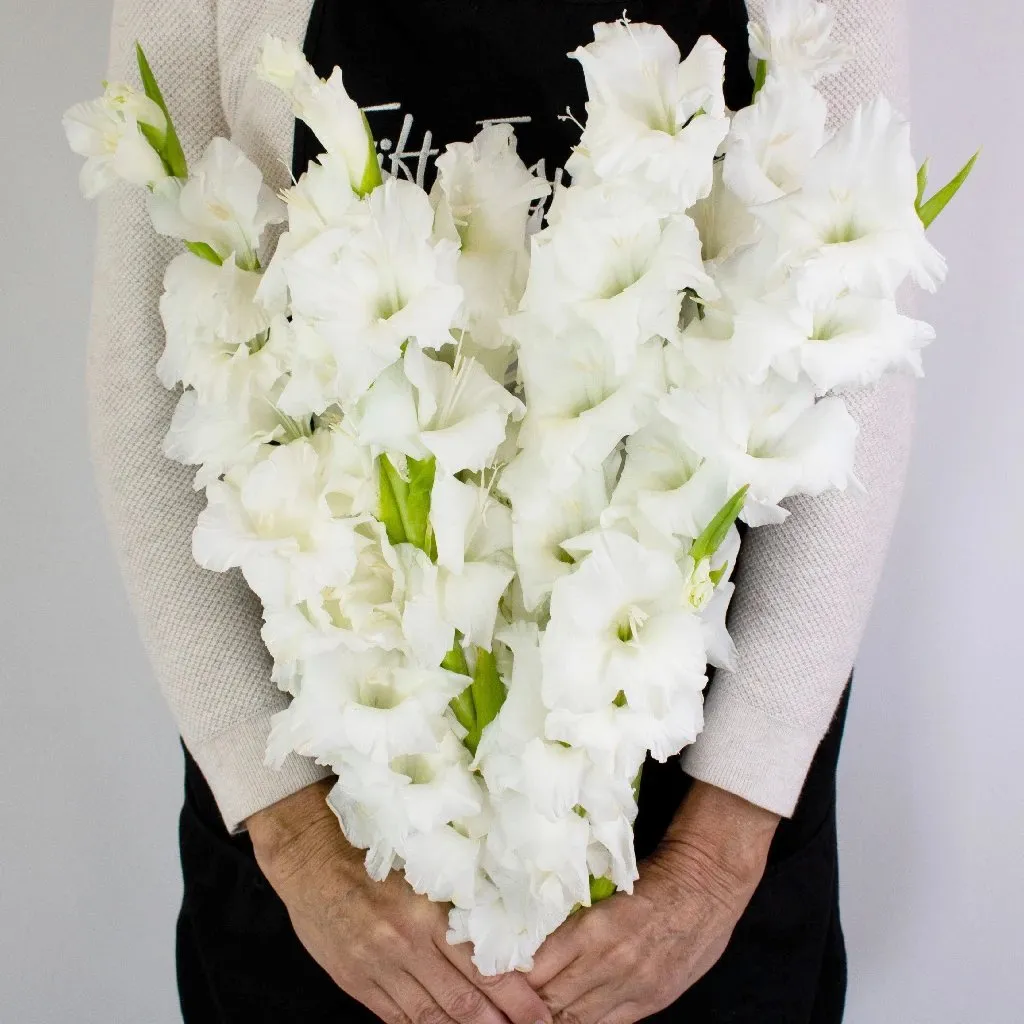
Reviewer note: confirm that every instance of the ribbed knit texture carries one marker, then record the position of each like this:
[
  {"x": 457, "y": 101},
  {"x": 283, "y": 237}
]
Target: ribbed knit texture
[
  {"x": 806, "y": 586},
  {"x": 201, "y": 629}
]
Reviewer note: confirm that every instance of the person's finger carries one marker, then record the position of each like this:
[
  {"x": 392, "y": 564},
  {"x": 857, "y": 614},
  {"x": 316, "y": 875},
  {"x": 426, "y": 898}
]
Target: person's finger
[
  {"x": 511, "y": 992},
  {"x": 415, "y": 1001},
  {"x": 605, "y": 1001},
  {"x": 560, "y": 949},
  {"x": 607, "y": 1011},
  {"x": 457, "y": 996},
  {"x": 569, "y": 986},
  {"x": 380, "y": 1003}
]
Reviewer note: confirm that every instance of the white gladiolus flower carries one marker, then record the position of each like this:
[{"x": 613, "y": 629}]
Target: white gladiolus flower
[
  {"x": 837, "y": 341},
  {"x": 398, "y": 807},
  {"x": 443, "y": 865},
  {"x": 617, "y": 739},
  {"x": 506, "y": 925},
  {"x": 546, "y": 514},
  {"x": 358, "y": 614},
  {"x": 578, "y": 406},
  {"x": 619, "y": 625},
  {"x": 551, "y": 854},
  {"x": 774, "y": 437},
  {"x": 428, "y": 635},
  {"x": 724, "y": 223},
  {"x": 370, "y": 288},
  {"x": 513, "y": 754},
  {"x": 361, "y": 708},
  {"x": 795, "y": 35},
  {"x": 611, "y": 853},
  {"x": 213, "y": 329},
  {"x": 319, "y": 201},
  {"x": 106, "y": 132},
  {"x": 423, "y": 407},
  {"x": 217, "y": 436},
  {"x": 772, "y": 142},
  {"x": 474, "y": 540},
  {"x": 720, "y": 647},
  {"x": 275, "y": 521},
  {"x": 649, "y": 114},
  {"x": 333, "y": 116},
  {"x": 666, "y": 492},
  {"x": 311, "y": 384},
  {"x": 611, "y": 260},
  {"x": 482, "y": 199},
  {"x": 224, "y": 204},
  {"x": 854, "y": 222}
]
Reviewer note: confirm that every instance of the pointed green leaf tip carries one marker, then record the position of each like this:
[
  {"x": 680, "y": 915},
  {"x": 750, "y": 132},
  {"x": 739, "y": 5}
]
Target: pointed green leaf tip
[
  {"x": 929, "y": 210},
  {"x": 168, "y": 148},
  {"x": 371, "y": 173},
  {"x": 390, "y": 513},
  {"x": 922, "y": 184},
  {"x": 760, "y": 77},
  {"x": 204, "y": 252},
  {"x": 462, "y": 705},
  {"x": 488, "y": 694},
  {"x": 715, "y": 532}
]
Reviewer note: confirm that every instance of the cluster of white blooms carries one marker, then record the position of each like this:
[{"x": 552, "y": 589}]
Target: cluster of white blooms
[{"x": 483, "y": 478}]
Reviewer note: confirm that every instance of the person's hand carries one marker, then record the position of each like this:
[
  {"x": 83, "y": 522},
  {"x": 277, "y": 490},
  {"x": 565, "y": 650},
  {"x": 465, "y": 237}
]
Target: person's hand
[
  {"x": 630, "y": 956},
  {"x": 380, "y": 942}
]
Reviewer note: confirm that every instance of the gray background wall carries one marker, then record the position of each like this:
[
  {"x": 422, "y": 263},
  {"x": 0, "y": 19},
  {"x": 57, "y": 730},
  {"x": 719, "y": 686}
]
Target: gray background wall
[{"x": 932, "y": 803}]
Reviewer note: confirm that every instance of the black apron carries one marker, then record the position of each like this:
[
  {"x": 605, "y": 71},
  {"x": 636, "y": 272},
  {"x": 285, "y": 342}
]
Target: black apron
[{"x": 430, "y": 72}]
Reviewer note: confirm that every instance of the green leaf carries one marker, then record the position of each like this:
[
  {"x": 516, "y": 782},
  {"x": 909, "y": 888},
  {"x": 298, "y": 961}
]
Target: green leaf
[
  {"x": 405, "y": 504},
  {"x": 715, "y": 532},
  {"x": 563, "y": 556},
  {"x": 922, "y": 184},
  {"x": 488, "y": 695},
  {"x": 760, "y": 76},
  {"x": 371, "y": 173},
  {"x": 392, "y": 493},
  {"x": 417, "y": 502},
  {"x": 205, "y": 252},
  {"x": 636, "y": 782},
  {"x": 156, "y": 139},
  {"x": 455, "y": 659},
  {"x": 715, "y": 575},
  {"x": 929, "y": 210},
  {"x": 462, "y": 705},
  {"x": 170, "y": 150}
]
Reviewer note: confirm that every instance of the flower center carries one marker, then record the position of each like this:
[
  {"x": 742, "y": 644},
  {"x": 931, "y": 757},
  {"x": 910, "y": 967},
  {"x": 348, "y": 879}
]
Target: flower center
[
  {"x": 378, "y": 693},
  {"x": 414, "y": 767},
  {"x": 630, "y": 623}
]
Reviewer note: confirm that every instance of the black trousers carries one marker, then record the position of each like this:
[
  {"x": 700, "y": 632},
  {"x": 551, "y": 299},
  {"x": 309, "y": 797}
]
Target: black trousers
[{"x": 239, "y": 961}]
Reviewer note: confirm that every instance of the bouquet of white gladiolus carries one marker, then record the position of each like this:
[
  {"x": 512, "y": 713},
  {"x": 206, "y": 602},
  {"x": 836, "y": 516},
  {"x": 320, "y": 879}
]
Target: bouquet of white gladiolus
[{"x": 484, "y": 473}]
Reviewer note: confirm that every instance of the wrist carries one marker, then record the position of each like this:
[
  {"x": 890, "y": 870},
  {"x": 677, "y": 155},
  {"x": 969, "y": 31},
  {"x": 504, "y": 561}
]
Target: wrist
[
  {"x": 724, "y": 829},
  {"x": 286, "y": 830}
]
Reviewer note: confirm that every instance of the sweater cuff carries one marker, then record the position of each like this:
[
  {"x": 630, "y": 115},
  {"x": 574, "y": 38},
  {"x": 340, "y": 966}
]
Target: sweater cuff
[
  {"x": 232, "y": 764},
  {"x": 749, "y": 753}
]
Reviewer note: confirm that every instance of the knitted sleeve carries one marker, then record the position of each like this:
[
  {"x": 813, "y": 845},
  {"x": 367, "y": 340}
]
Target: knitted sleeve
[
  {"x": 805, "y": 587},
  {"x": 201, "y": 629}
]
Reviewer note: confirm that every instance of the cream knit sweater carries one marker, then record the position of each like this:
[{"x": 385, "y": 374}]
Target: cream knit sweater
[{"x": 806, "y": 585}]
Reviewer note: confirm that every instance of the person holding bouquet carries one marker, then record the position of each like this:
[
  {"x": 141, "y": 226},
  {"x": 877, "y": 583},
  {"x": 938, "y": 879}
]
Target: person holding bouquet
[{"x": 735, "y": 915}]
